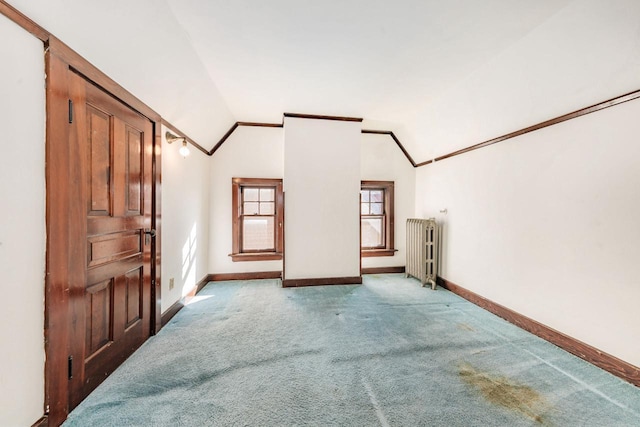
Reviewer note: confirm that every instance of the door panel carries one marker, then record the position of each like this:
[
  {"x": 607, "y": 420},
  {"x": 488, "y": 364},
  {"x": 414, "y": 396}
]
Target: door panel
[
  {"x": 113, "y": 247},
  {"x": 99, "y": 124},
  {"x": 133, "y": 173},
  {"x": 98, "y": 306},
  {"x": 110, "y": 306},
  {"x": 134, "y": 289}
]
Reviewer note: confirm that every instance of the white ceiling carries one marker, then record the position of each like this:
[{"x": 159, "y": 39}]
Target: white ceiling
[
  {"x": 441, "y": 74},
  {"x": 373, "y": 59}
]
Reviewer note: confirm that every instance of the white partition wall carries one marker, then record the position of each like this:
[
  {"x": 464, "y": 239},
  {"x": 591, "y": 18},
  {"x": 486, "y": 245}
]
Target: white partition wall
[{"x": 322, "y": 190}]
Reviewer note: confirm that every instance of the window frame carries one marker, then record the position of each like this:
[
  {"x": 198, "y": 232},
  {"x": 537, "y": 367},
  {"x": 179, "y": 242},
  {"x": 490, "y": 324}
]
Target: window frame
[
  {"x": 389, "y": 223},
  {"x": 238, "y": 253}
]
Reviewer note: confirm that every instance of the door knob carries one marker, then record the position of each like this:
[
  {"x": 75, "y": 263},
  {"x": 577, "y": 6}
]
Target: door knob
[{"x": 149, "y": 233}]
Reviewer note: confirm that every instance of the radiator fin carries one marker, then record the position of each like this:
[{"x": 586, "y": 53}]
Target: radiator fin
[{"x": 422, "y": 250}]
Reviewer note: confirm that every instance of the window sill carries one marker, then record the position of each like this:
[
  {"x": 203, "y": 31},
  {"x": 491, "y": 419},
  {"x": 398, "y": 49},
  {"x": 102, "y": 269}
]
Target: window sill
[
  {"x": 377, "y": 252},
  {"x": 258, "y": 256}
]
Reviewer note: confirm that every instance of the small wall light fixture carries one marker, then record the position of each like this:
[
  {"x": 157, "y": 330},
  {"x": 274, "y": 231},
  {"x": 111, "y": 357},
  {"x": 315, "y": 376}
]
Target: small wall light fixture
[{"x": 184, "y": 150}]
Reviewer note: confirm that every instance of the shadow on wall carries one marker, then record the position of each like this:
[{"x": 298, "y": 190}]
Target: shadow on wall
[{"x": 189, "y": 261}]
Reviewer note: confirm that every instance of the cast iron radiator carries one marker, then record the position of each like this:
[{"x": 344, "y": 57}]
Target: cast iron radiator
[{"x": 422, "y": 250}]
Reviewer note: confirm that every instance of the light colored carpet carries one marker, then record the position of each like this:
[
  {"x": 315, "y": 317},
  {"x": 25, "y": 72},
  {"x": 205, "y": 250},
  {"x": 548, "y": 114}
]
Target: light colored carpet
[{"x": 387, "y": 353}]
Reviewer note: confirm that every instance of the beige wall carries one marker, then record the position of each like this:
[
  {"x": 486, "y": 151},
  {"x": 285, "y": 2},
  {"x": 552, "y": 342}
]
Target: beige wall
[
  {"x": 250, "y": 152},
  {"x": 547, "y": 225},
  {"x": 185, "y": 220},
  {"x": 22, "y": 226},
  {"x": 257, "y": 152},
  {"x": 322, "y": 196},
  {"x": 382, "y": 160}
]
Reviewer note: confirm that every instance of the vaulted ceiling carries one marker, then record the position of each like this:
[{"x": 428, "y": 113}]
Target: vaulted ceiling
[{"x": 442, "y": 75}]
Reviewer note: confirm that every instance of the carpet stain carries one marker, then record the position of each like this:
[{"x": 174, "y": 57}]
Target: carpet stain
[
  {"x": 167, "y": 383},
  {"x": 465, "y": 327},
  {"x": 502, "y": 391}
]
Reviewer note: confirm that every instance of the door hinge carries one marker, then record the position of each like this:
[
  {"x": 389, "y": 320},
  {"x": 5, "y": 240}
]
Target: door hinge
[
  {"x": 70, "y": 111},
  {"x": 70, "y": 366}
]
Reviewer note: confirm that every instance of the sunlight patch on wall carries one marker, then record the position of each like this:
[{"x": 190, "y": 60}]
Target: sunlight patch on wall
[{"x": 189, "y": 261}]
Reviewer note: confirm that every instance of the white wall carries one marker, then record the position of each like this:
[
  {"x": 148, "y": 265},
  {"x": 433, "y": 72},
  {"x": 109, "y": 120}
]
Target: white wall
[
  {"x": 322, "y": 190},
  {"x": 185, "y": 220},
  {"x": 250, "y": 152},
  {"x": 256, "y": 152},
  {"x": 22, "y": 226},
  {"x": 547, "y": 225},
  {"x": 382, "y": 160}
]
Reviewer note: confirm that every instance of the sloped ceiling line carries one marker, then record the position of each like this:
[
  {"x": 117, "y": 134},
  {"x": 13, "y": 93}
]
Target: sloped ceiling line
[
  {"x": 575, "y": 114},
  {"x": 277, "y": 125},
  {"x": 22, "y": 20},
  {"x": 45, "y": 36},
  {"x": 397, "y": 141},
  {"x": 308, "y": 116},
  {"x": 320, "y": 117},
  {"x": 235, "y": 126},
  {"x": 189, "y": 140},
  {"x": 304, "y": 116}
]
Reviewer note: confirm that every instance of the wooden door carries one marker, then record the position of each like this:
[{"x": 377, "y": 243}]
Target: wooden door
[{"x": 110, "y": 299}]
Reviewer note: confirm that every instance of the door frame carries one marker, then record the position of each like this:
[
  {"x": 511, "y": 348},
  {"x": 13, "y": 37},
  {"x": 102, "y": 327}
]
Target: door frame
[{"x": 63, "y": 239}]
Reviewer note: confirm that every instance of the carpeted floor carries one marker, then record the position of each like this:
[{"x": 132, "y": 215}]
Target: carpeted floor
[{"x": 387, "y": 353}]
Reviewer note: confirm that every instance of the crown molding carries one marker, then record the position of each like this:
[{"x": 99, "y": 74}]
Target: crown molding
[{"x": 563, "y": 118}]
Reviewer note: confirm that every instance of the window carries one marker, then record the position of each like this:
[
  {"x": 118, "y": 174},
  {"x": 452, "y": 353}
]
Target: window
[
  {"x": 376, "y": 218},
  {"x": 257, "y": 219}
]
